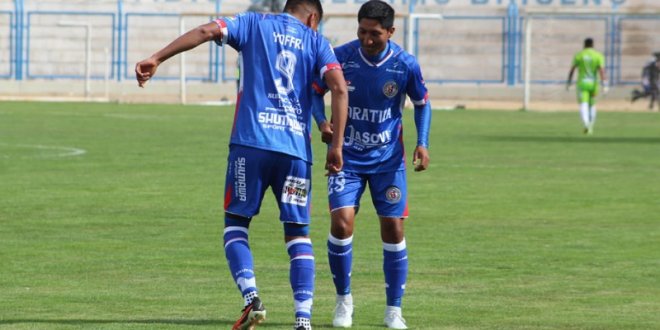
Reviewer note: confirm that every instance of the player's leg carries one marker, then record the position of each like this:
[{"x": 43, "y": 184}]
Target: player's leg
[
  {"x": 583, "y": 100},
  {"x": 653, "y": 92},
  {"x": 244, "y": 191},
  {"x": 389, "y": 194},
  {"x": 592, "y": 109},
  {"x": 344, "y": 192},
  {"x": 291, "y": 184}
]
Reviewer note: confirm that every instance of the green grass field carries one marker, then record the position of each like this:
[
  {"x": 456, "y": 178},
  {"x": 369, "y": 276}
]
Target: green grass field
[{"x": 111, "y": 218}]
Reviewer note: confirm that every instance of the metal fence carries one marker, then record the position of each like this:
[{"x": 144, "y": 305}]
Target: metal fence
[{"x": 460, "y": 49}]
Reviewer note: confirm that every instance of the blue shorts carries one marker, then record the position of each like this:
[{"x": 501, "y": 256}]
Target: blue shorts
[
  {"x": 251, "y": 171},
  {"x": 389, "y": 192}
]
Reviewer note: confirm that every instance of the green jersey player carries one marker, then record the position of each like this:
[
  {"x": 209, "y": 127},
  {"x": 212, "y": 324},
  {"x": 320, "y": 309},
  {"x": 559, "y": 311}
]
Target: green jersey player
[{"x": 591, "y": 70}]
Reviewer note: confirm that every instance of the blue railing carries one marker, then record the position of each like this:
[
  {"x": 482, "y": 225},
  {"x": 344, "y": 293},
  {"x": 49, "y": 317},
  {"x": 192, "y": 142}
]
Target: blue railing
[
  {"x": 606, "y": 37},
  {"x": 10, "y": 46},
  {"x": 32, "y": 14},
  {"x": 220, "y": 69}
]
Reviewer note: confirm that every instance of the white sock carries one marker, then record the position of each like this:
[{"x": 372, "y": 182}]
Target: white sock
[
  {"x": 346, "y": 299},
  {"x": 592, "y": 116},
  {"x": 584, "y": 113},
  {"x": 392, "y": 309}
]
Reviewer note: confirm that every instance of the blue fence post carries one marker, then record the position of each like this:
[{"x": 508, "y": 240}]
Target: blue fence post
[
  {"x": 18, "y": 44},
  {"x": 615, "y": 48},
  {"x": 216, "y": 50},
  {"x": 120, "y": 40},
  {"x": 512, "y": 41}
]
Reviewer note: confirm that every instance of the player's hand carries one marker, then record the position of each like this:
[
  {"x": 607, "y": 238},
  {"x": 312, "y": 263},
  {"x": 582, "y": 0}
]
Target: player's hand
[
  {"x": 326, "y": 132},
  {"x": 421, "y": 158},
  {"x": 144, "y": 70},
  {"x": 334, "y": 160},
  {"x": 606, "y": 89}
]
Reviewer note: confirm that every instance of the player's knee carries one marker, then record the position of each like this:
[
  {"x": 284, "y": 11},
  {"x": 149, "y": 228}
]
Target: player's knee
[
  {"x": 296, "y": 229},
  {"x": 234, "y": 220}
]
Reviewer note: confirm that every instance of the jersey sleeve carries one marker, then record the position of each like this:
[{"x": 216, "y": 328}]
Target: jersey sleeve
[
  {"x": 318, "y": 104},
  {"x": 416, "y": 87},
  {"x": 326, "y": 58},
  {"x": 235, "y": 29},
  {"x": 576, "y": 60}
]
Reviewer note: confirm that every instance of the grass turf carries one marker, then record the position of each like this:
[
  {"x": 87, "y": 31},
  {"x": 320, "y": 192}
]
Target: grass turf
[{"x": 521, "y": 222}]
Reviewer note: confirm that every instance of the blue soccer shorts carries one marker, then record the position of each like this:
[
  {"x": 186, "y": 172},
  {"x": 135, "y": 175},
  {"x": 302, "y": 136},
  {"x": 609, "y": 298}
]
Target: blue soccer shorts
[
  {"x": 389, "y": 192},
  {"x": 251, "y": 171}
]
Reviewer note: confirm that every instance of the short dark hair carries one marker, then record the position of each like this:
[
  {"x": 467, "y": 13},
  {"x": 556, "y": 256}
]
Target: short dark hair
[
  {"x": 657, "y": 55},
  {"x": 588, "y": 42},
  {"x": 377, "y": 10},
  {"x": 292, "y": 5}
]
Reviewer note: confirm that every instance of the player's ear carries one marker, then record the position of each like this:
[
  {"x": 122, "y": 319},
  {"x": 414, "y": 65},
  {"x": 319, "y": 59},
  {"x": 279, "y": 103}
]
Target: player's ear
[
  {"x": 390, "y": 32},
  {"x": 312, "y": 21}
]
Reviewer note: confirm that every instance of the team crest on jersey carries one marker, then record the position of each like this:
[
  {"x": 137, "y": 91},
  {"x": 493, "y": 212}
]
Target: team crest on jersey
[
  {"x": 393, "y": 195},
  {"x": 295, "y": 191},
  {"x": 390, "y": 89}
]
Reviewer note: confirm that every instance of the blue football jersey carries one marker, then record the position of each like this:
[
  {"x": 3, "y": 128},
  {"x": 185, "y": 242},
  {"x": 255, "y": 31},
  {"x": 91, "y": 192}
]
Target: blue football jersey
[
  {"x": 373, "y": 140},
  {"x": 279, "y": 57}
]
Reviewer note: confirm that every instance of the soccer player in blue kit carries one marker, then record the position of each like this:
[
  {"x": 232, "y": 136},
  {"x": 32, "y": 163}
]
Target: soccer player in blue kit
[
  {"x": 270, "y": 140},
  {"x": 379, "y": 74}
]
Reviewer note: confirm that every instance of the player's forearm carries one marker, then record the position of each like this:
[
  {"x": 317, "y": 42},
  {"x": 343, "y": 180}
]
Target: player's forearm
[
  {"x": 570, "y": 76},
  {"x": 187, "y": 41},
  {"x": 423, "y": 123},
  {"x": 318, "y": 110},
  {"x": 339, "y": 104},
  {"x": 339, "y": 115}
]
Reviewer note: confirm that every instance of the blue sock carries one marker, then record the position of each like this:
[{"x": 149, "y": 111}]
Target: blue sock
[
  {"x": 395, "y": 266},
  {"x": 239, "y": 258},
  {"x": 301, "y": 275},
  {"x": 340, "y": 257}
]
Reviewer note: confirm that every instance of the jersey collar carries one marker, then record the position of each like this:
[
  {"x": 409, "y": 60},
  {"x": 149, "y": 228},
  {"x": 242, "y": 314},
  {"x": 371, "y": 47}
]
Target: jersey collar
[{"x": 387, "y": 53}]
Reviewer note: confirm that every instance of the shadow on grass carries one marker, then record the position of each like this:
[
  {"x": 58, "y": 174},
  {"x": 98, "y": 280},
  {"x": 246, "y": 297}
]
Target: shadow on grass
[
  {"x": 89, "y": 322},
  {"x": 93, "y": 321},
  {"x": 574, "y": 139}
]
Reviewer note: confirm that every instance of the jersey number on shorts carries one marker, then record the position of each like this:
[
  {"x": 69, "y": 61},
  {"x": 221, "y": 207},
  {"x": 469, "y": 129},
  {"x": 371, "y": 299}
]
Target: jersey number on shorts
[{"x": 336, "y": 183}]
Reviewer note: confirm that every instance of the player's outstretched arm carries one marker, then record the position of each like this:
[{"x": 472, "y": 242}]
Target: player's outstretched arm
[
  {"x": 146, "y": 69},
  {"x": 339, "y": 104}
]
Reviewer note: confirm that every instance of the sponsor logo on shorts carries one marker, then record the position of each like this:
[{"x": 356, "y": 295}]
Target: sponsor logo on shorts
[
  {"x": 390, "y": 89},
  {"x": 240, "y": 187},
  {"x": 393, "y": 195},
  {"x": 295, "y": 191}
]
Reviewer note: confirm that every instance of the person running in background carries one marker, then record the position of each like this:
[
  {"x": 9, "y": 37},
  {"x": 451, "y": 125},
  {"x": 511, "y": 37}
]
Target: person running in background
[
  {"x": 270, "y": 140},
  {"x": 591, "y": 71},
  {"x": 650, "y": 83}
]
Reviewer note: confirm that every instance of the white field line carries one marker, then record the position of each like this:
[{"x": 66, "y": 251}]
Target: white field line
[{"x": 63, "y": 151}]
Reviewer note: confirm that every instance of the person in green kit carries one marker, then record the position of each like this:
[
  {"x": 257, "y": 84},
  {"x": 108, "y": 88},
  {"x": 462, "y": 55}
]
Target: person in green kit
[{"x": 591, "y": 70}]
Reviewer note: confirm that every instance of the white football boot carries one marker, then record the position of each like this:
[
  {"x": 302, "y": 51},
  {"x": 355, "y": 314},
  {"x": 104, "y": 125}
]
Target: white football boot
[
  {"x": 343, "y": 312},
  {"x": 393, "y": 318}
]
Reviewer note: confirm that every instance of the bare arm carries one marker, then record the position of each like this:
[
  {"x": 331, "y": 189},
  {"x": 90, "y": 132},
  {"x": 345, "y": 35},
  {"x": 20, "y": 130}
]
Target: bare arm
[
  {"x": 570, "y": 76},
  {"x": 146, "y": 69},
  {"x": 339, "y": 104}
]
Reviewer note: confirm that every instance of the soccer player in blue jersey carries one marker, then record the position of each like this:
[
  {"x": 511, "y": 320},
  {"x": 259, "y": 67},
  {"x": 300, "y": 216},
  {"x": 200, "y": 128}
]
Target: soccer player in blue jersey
[
  {"x": 270, "y": 140},
  {"x": 380, "y": 74}
]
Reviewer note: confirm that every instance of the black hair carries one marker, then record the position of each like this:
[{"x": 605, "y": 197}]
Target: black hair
[
  {"x": 588, "y": 43},
  {"x": 379, "y": 11},
  {"x": 292, "y": 5}
]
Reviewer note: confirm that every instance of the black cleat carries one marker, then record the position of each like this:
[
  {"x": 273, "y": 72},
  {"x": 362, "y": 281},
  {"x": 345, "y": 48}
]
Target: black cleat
[{"x": 253, "y": 314}]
